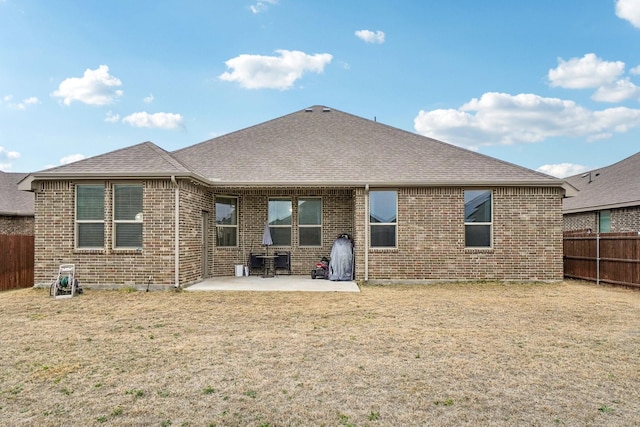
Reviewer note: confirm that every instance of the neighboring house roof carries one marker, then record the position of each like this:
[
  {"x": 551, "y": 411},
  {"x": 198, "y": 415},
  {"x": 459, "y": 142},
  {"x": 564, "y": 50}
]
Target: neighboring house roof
[
  {"x": 614, "y": 186},
  {"x": 12, "y": 201},
  {"x": 317, "y": 146}
]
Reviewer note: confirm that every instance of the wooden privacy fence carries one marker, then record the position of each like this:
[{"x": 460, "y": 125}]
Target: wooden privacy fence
[
  {"x": 603, "y": 257},
  {"x": 16, "y": 261}
]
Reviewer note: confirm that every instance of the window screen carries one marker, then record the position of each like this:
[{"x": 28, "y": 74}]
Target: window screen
[
  {"x": 89, "y": 216},
  {"x": 127, "y": 216}
]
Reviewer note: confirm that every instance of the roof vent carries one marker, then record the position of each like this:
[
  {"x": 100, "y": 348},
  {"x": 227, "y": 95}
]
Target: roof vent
[
  {"x": 326, "y": 110},
  {"x": 308, "y": 110}
]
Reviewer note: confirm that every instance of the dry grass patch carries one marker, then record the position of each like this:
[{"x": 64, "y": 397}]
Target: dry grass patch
[{"x": 452, "y": 354}]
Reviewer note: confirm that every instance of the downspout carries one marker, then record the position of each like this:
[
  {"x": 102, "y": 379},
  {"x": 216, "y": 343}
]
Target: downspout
[
  {"x": 176, "y": 237},
  {"x": 366, "y": 232}
]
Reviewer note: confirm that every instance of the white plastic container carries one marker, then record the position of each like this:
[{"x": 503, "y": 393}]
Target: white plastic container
[{"x": 239, "y": 270}]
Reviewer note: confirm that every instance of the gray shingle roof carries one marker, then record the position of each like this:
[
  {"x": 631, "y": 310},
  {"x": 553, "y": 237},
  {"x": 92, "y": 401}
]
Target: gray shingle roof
[
  {"x": 617, "y": 185},
  {"x": 12, "y": 201},
  {"x": 317, "y": 146},
  {"x": 323, "y": 146},
  {"x": 142, "y": 159}
]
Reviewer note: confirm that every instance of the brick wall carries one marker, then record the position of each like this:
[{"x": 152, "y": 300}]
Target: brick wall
[
  {"x": 194, "y": 200},
  {"x": 580, "y": 221},
  {"x": 527, "y": 237},
  {"x": 625, "y": 219},
  {"x": 622, "y": 220},
  {"x": 22, "y": 225},
  {"x": 337, "y": 217},
  {"x": 527, "y": 241},
  {"x": 55, "y": 231}
]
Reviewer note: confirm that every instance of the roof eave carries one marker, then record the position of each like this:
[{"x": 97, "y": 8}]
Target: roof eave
[
  {"x": 27, "y": 184},
  {"x": 389, "y": 184},
  {"x": 17, "y": 214},
  {"x": 602, "y": 207}
]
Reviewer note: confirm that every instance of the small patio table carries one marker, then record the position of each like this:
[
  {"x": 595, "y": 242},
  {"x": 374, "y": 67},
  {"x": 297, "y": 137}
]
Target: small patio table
[{"x": 268, "y": 261}]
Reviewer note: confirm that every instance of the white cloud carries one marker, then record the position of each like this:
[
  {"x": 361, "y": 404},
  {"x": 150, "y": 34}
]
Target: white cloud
[
  {"x": 8, "y": 154},
  {"x": 156, "y": 120},
  {"x": 148, "y": 99},
  {"x": 617, "y": 92},
  {"x": 273, "y": 72},
  {"x": 501, "y": 118},
  {"x": 22, "y": 105},
  {"x": 95, "y": 87},
  {"x": 562, "y": 170},
  {"x": 71, "y": 158},
  {"x": 635, "y": 70},
  {"x": 586, "y": 72},
  {"x": 370, "y": 36},
  {"x": 629, "y": 10},
  {"x": 112, "y": 118},
  {"x": 7, "y": 98},
  {"x": 262, "y": 5}
]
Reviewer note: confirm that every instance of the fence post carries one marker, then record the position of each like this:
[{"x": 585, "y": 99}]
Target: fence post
[{"x": 597, "y": 258}]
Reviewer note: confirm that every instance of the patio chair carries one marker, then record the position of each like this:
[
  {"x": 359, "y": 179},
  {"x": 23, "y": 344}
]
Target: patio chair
[
  {"x": 282, "y": 261},
  {"x": 255, "y": 262}
]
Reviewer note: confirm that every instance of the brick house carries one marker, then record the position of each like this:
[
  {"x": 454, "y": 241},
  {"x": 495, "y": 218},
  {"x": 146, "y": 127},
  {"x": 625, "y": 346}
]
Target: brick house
[
  {"x": 417, "y": 209},
  {"x": 608, "y": 199},
  {"x": 16, "y": 207}
]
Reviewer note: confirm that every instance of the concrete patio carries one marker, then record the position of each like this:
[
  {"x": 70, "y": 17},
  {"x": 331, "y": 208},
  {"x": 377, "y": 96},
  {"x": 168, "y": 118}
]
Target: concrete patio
[{"x": 278, "y": 283}]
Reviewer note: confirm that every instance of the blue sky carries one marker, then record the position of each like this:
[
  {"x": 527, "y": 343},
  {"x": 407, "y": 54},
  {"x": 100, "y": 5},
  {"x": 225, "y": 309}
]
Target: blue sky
[{"x": 546, "y": 84}]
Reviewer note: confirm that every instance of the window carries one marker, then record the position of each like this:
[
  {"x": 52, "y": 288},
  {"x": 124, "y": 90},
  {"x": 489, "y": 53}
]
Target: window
[
  {"x": 227, "y": 221},
  {"x": 127, "y": 216},
  {"x": 383, "y": 214},
  {"x": 310, "y": 222},
  {"x": 280, "y": 221},
  {"x": 90, "y": 216},
  {"x": 604, "y": 221},
  {"x": 477, "y": 218}
]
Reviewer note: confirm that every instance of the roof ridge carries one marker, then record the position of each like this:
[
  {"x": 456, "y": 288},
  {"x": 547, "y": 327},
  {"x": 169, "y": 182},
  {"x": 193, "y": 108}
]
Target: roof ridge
[
  {"x": 168, "y": 157},
  {"x": 607, "y": 166},
  {"x": 244, "y": 129},
  {"x": 92, "y": 158}
]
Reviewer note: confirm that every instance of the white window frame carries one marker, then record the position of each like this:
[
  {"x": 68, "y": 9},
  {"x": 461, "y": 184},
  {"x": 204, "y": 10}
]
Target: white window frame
[
  {"x": 302, "y": 226},
  {"x": 220, "y": 226},
  {"x": 138, "y": 218},
  {"x": 471, "y": 224},
  {"x": 88, "y": 221},
  {"x": 376, "y": 224}
]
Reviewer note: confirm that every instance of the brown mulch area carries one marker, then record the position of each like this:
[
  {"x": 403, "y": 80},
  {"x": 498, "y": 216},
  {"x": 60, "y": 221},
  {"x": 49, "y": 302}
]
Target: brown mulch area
[{"x": 447, "y": 355}]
